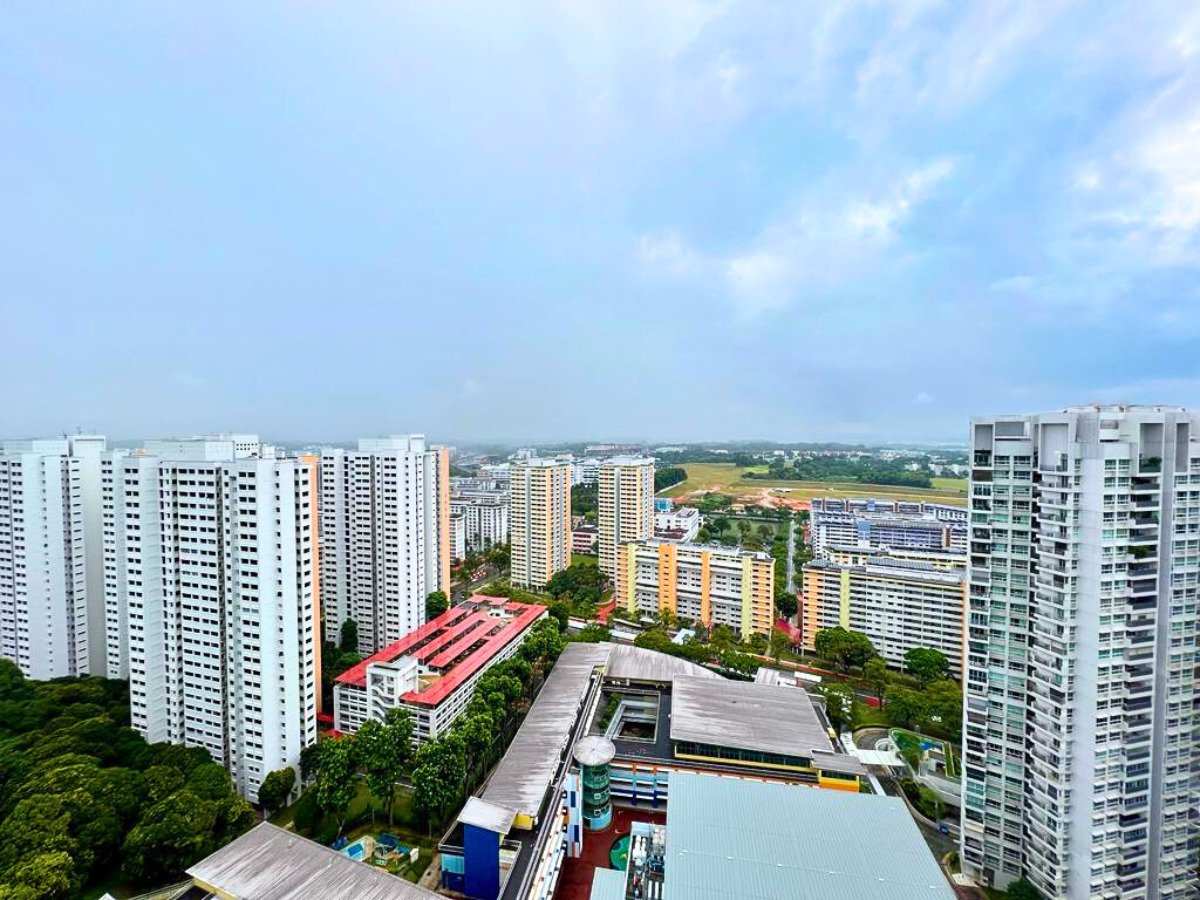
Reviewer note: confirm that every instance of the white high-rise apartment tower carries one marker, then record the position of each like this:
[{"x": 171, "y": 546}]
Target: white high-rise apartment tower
[
  {"x": 385, "y": 536},
  {"x": 43, "y": 583},
  {"x": 1080, "y": 744},
  {"x": 212, "y": 589},
  {"x": 539, "y": 521},
  {"x": 625, "y": 507}
]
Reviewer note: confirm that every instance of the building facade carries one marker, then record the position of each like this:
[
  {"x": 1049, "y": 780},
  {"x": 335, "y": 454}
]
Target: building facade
[
  {"x": 540, "y": 517},
  {"x": 211, "y": 567},
  {"x": 709, "y": 584},
  {"x": 485, "y": 518},
  {"x": 882, "y": 524},
  {"x": 1080, "y": 726},
  {"x": 625, "y": 506},
  {"x": 44, "y": 621},
  {"x": 432, "y": 672},
  {"x": 900, "y": 604},
  {"x": 386, "y": 538},
  {"x": 677, "y": 523}
]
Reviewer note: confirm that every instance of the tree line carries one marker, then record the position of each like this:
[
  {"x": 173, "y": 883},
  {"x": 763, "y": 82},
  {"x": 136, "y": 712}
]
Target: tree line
[
  {"x": 926, "y": 698},
  {"x": 864, "y": 470},
  {"x": 664, "y": 478},
  {"x": 443, "y": 770},
  {"x": 83, "y": 796}
]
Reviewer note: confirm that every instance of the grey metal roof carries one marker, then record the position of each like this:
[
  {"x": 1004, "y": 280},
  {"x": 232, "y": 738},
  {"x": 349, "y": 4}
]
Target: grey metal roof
[
  {"x": 524, "y": 774},
  {"x": 594, "y": 750},
  {"x": 735, "y": 839},
  {"x": 639, "y": 664},
  {"x": 607, "y": 884},
  {"x": 268, "y": 863},
  {"x": 767, "y": 718},
  {"x": 490, "y": 816}
]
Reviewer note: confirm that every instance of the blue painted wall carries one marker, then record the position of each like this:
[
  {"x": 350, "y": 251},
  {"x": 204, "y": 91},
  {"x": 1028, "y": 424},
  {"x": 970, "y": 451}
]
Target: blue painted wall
[{"x": 481, "y": 852}]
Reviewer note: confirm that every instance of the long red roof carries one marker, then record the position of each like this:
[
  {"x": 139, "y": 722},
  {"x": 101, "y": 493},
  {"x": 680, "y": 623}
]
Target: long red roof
[{"x": 446, "y": 638}]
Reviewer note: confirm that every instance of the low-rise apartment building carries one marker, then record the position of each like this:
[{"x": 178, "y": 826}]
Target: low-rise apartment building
[
  {"x": 899, "y": 603},
  {"x": 677, "y": 523},
  {"x": 706, "y": 583},
  {"x": 432, "y": 672}
]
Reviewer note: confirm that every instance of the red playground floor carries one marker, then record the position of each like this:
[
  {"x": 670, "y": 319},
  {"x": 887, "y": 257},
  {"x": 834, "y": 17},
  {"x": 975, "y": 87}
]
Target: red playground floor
[{"x": 575, "y": 882}]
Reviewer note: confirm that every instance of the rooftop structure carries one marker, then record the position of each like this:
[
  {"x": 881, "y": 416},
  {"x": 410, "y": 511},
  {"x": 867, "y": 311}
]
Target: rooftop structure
[
  {"x": 432, "y": 671},
  {"x": 737, "y": 839},
  {"x": 269, "y": 863},
  {"x": 593, "y": 750},
  {"x": 771, "y": 725},
  {"x": 523, "y": 777}
]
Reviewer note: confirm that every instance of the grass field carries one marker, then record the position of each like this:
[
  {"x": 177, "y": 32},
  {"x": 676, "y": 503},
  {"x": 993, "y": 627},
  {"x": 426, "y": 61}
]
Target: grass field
[{"x": 727, "y": 478}]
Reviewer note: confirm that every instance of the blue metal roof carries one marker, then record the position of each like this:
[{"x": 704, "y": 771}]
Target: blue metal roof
[{"x": 736, "y": 839}]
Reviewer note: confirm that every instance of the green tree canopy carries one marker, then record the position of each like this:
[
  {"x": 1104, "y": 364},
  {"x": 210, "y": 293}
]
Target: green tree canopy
[
  {"x": 348, "y": 639},
  {"x": 926, "y": 664},
  {"x": 785, "y": 602},
  {"x": 875, "y": 674},
  {"x": 844, "y": 648},
  {"x": 839, "y": 704},
  {"x": 276, "y": 788},
  {"x": 336, "y": 771},
  {"x": 438, "y": 777},
  {"x": 436, "y": 603}
]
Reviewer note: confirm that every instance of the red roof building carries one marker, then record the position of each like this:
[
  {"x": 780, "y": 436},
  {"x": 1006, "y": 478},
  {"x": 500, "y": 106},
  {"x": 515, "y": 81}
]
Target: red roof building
[{"x": 432, "y": 671}]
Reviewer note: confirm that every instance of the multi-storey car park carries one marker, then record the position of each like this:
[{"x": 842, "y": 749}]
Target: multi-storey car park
[
  {"x": 432, "y": 671},
  {"x": 1080, "y": 744},
  {"x": 899, "y": 600},
  {"x": 707, "y": 583}
]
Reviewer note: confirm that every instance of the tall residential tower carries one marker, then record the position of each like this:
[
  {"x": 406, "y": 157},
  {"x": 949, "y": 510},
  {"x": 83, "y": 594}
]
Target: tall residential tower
[
  {"x": 212, "y": 563},
  {"x": 1080, "y": 729},
  {"x": 385, "y": 536},
  {"x": 625, "y": 509},
  {"x": 43, "y": 585},
  {"x": 539, "y": 521}
]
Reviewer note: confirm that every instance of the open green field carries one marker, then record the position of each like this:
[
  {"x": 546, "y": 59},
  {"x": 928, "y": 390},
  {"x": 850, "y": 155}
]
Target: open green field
[{"x": 727, "y": 478}]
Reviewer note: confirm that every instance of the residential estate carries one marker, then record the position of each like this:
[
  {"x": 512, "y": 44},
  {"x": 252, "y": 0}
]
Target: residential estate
[{"x": 706, "y": 583}]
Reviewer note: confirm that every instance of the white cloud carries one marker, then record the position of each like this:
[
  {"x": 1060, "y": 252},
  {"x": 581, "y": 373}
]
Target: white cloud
[
  {"x": 469, "y": 387},
  {"x": 1013, "y": 283},
  {"x": 923, "y": 397},
  {"x": 829, "y": 241},
  {"x": 666, "y": 252}
]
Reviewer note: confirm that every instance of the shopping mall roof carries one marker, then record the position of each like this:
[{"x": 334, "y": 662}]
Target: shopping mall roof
[
  {"x": 763, "y": 718},
  {"x": 269, "y": 863},
  {"x": 457, "y": 644},
  {"x": 738, "y": 839}
]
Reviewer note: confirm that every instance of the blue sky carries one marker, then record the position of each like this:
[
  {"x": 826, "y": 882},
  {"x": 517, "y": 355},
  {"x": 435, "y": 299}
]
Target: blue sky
[{"x": 669, "y": 221}]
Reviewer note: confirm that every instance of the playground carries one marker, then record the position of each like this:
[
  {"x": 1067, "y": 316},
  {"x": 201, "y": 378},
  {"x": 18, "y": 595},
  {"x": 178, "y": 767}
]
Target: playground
[{"x": 384, "y": 851}]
